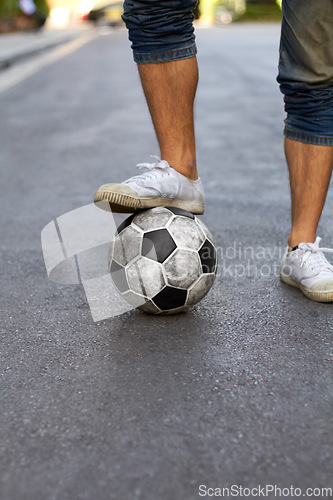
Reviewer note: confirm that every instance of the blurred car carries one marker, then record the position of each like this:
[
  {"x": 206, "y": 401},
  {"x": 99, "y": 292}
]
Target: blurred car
[{"x": 108, "y": 15}]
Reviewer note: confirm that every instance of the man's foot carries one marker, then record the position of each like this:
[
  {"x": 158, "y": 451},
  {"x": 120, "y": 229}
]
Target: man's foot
[
  {"x": 307, "y": 268},
  {"x": 160, "y": 186}
]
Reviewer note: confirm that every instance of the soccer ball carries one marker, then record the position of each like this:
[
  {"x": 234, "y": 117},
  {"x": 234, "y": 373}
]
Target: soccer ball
[{"x": 163, "y": 260}]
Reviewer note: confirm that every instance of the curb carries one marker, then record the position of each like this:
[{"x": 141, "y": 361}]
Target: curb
[{"x": 7, "y": 61}]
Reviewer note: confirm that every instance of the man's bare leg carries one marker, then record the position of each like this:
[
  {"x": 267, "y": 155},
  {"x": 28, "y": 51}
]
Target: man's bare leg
[
  {"x": 170, "y": 89},
  {"x": 310, "y": 169}
]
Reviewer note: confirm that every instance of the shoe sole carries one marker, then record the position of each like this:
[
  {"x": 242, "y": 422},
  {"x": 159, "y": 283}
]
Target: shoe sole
[
  {"x": 122, "y": 203},
  {"x": 316, "y": 296}
]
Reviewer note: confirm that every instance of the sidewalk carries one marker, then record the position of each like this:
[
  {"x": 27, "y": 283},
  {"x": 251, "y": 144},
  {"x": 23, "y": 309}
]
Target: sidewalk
[{"x": 17, "y": 46}]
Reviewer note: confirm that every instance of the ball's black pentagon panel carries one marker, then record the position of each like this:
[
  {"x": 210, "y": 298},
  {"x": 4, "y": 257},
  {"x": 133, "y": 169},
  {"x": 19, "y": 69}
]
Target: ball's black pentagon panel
[
  {"x": 170, "y": 298},
  {"x": 180, "y": 211},
  {"x": 157, "y": 245},
  {"x": 125, "y": 224},
  {"x": 118, "y": 276},
  {"x": 207, "y": 254}
]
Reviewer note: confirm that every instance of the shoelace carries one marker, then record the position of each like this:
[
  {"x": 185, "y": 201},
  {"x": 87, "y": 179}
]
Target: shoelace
[
  {"x": 142, "y": 178},
  {"x": 150, "y": 166},
  {"x": 314, "y": 255}
]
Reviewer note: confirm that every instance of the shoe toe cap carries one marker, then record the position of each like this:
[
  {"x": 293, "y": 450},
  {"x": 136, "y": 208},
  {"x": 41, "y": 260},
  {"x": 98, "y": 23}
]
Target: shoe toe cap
[
  {"x": 116, "y": 188},
  {"x": 323, "y": 285}
]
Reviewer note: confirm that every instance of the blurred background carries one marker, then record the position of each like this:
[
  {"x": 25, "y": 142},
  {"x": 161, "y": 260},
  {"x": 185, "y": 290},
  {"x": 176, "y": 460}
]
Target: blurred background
[{"x": 30, "y": 15}]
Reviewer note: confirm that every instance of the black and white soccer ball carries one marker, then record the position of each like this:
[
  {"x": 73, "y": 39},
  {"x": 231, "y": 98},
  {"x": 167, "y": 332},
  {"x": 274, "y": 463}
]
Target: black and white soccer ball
[{"x": 163, "y": 260}]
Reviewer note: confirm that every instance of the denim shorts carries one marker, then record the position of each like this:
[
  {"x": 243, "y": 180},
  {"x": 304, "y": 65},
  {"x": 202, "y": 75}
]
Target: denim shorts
[
  {"x": 162, "y": 31},
  {"x": 306, "y": 70}
]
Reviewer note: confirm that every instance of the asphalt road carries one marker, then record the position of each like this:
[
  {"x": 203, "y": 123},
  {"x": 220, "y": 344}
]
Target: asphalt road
[{"x": 237, "y": 392}]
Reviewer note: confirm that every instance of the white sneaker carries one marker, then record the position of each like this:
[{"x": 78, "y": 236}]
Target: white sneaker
[
  {"x": 160, "y": 186},
  {"x": 307, "y": 268}
]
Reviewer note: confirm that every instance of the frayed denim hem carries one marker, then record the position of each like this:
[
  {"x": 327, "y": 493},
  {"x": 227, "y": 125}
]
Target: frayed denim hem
[
  {"x": 160, "y": 57},
  {"x": 308, "y": 139}
]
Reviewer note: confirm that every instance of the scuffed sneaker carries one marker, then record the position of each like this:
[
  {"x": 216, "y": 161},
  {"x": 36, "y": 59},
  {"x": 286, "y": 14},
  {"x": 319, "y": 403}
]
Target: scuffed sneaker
[
  {"x": 307, "y": 268},
  {"x": 160, "y": 185}
]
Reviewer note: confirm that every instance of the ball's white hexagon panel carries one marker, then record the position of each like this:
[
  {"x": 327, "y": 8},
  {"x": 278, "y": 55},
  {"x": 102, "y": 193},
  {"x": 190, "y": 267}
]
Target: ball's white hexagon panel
[
  {"x": 186, "y": 233},
  {"x": 150, "y": 308},
  {"x": 134, "y": 299},
  {"x": 177, "y": 310},
  {"x": 200, "y": 289},
  {"x": 127, "y": 245},
  {"x": 183, "y": 268},
  {"x": 145, "y": 276},
  {"x": 111, "y": 247},
  {"x": 155, "y": 218},
  {"x": 205, "y": 229},
  {"x": 118, "y": 276}
]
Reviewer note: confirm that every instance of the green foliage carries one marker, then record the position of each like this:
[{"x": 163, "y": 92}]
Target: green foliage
[
  {"x": 42, "y": 7},
  {"x": 11, "y": 8},
  {"x": 261, "y": 12},
  {"x": 261, "y": 2}
]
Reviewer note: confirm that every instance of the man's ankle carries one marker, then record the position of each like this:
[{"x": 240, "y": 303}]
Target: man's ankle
[
  {"x": 295, "y": 238},
  {"x": 185, "y": 166}
]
